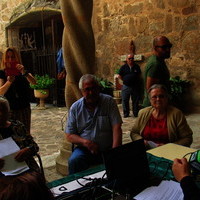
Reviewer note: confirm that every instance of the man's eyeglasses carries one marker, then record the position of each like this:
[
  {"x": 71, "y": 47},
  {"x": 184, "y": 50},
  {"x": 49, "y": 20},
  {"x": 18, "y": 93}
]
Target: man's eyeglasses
[
  {"x": 88, "y": 89},
  {"x": 161, "y": 96},
  {"x": 131, "y": 58},
  {"x": 167, "y": 46}
]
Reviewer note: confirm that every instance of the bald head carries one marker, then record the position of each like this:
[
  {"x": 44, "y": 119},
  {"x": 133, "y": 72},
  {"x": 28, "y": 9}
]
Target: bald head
[
  {"x": 159, "y": 39},
  {"x": 162, "y": 47}
]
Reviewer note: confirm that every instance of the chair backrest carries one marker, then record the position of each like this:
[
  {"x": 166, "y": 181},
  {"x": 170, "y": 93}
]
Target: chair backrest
[{"x": 40, "y": 164}]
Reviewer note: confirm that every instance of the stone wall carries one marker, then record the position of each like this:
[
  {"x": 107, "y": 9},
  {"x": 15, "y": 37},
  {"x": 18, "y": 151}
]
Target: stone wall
[
  {"x": 116, "y": 23},
  {"x": 6, "y": 7},
  {"x": 14, "y": 9}
]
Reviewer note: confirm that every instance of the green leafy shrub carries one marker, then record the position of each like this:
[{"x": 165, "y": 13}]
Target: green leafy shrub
[
  {"x": 43, "y": 82},
  {"x": 116, "y": 71},
  {"x": 179, "y": 89},
  {"x": 106, "y": 86},
  {"x": 178, "y": 86}
]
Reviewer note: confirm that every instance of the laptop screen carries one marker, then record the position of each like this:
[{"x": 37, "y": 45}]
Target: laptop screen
[{"x": 127, "y": 162}]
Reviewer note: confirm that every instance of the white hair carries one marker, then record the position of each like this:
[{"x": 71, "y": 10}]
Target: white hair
[{"x": 87, "y": 77}]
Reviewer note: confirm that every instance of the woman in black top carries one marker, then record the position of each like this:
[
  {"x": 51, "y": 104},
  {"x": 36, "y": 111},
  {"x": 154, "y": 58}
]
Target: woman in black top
[{"x": 14, "y": 84}]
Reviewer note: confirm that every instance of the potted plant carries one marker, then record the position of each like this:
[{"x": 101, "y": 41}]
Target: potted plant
[
  {"x": 106, "y": 86},
  {"x": 179, "y": 88},
  {"x": 41, "y": 88},
  {"x": 116, "y": 71}
]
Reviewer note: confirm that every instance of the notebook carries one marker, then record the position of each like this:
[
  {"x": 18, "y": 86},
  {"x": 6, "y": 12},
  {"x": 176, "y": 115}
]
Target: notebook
[{"x": 128, "y": 165}]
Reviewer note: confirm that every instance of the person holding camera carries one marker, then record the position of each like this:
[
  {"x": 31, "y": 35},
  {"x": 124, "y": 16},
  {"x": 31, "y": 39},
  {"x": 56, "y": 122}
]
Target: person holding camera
[{"x": 14, "y": 84}]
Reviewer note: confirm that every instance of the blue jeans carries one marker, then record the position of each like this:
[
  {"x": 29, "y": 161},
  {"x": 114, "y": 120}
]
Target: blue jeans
[
  {"x": 128, "y": 92},
  {"x": 81, "y": 159}
]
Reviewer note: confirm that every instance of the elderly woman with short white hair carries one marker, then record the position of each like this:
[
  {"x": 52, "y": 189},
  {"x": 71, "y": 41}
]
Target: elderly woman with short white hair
[{"x": 161, "y": 123}]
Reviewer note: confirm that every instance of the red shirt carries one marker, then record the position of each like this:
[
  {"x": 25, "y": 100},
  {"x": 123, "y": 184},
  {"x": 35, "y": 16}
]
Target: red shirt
[{"x": 156, "y": 130}]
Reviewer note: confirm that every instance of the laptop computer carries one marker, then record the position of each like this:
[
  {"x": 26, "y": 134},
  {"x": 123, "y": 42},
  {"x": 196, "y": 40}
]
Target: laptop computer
[{"x": 127, "y": 167}]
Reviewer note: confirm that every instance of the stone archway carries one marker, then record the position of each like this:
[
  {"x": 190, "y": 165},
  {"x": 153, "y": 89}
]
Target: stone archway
[
  {"x": 42, "y": 22},
  {"x": 31, "y": 17}
]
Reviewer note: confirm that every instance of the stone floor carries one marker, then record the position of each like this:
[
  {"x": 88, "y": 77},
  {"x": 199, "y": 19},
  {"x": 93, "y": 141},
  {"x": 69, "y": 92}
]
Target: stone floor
[{"x": 47, "y": 130}]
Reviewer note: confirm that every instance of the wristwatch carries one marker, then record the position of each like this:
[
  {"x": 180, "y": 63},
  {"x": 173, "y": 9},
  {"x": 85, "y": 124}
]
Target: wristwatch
[{"x": 25, "y": 73}]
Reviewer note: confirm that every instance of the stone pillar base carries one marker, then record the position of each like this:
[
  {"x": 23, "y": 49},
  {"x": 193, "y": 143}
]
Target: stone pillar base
[
  {"x": 62, "y": 159},
  {"x": 61, "y": 166}
]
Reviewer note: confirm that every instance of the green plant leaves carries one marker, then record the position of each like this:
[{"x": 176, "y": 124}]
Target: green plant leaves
[
  {"x": 106, "y": 86},
  {"x": 43, "y": 82},
  {"x": 178, "y": 86},
  {"x": 104, "y": 83},
  {"x": 116, "y": 71}
]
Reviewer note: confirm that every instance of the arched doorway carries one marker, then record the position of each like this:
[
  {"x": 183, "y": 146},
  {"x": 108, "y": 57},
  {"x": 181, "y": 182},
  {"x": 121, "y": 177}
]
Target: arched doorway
[{"x": 37, "y": 34}]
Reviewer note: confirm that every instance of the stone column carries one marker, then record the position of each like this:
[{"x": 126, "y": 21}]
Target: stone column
[{"x": 79, "y": 56}]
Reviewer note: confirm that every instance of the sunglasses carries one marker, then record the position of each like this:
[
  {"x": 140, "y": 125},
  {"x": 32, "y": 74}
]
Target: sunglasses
[
  {"x": 167, "y": 46},
  {"x": 131, "y": 58}
]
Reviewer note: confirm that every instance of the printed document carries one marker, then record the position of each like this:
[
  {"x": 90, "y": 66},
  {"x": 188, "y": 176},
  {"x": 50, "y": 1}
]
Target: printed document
[
  {"x": 167, "y": 190},
  {"x": 8, "y": 151}
]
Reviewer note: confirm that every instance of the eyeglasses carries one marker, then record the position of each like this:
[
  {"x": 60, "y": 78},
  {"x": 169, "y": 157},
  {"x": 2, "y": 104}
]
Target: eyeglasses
[
  {"x": 161, "y": 96},
  {"x": 88, "y": 89},
  {"x": 131, "y": 58},
  {"x": 167, "y": 46}
]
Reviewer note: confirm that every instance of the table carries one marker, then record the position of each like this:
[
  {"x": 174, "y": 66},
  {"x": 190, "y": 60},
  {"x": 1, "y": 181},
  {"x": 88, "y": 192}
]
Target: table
[
  {"x": 160, "y": 162},
  {"x": 164, "y": 156},
  {"x": 171, "y": 151}
]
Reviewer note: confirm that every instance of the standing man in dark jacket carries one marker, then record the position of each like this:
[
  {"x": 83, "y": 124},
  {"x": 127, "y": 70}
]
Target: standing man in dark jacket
[{"x": 130, "y": 73}]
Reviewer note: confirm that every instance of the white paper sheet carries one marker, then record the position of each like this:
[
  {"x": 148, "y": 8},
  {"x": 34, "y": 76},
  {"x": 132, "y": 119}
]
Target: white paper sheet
[
  {"x": 167, "y": 190},
  {"x": 8, "y": 151}
]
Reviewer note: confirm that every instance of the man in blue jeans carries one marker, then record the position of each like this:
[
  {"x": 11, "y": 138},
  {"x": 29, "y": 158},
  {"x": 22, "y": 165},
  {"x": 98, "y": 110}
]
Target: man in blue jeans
[
  {"x": 130, "y": 74},
  {"x": 93, "y": 125}
]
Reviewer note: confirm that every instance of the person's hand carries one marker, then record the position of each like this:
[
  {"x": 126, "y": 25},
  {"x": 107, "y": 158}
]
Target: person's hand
[
  {"x": 61, "y": 75},
  {"x": 20, "y": 68},
  {"x": 11, "y": 79},
  {"x": 23, "y": 155},
  {"x": 160, "y": 144},
  {"x": 180, "y": 168},
  {"x": 92, "y": 146},
  {"x": 146, "y": 145},
  {"x": 145, "y": 142},
  {"x": 1, "y": 163},
  {"x": 150, "y": 144}
]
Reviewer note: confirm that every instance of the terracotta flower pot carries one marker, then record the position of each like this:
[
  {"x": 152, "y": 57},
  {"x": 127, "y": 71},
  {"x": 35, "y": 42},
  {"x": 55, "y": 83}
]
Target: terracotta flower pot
[{"x": 42, "y": 95}]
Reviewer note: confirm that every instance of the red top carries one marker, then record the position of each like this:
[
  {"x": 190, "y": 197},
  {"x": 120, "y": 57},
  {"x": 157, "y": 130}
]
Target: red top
[{"x": 156, "y": 130}]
